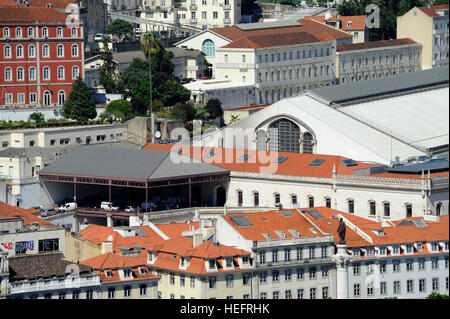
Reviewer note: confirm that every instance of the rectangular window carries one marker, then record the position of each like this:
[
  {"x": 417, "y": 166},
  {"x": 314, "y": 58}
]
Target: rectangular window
[
  {"x": 48, "y": 244},
  {"x": 435, "y": 284},
  {"x": 383, "y": 288},
  {"x": 396, "y": 265},
  {"x": 410, "y": 286},
  {"x": 229, "y": 280},
  {"x": 396, "y": 287},
  {"x": 356, "y": 269},
  {"x": 143, "y": 290},
  {"x": 287, "y": 275},
  {"x": 312, "y": 252},
  {"x": 422, "y": 286},
  {"x": 288, "y": 294},
  {"x": 212, "y": 282},
  {"x": 356, "y": 290},
  {"x": 312, "y": 293},
  {"x": 312, "y": 272},
  {"x": 324, "y": 251},
  {"x": 300, "y": 273},
  {"x": 32, "y": 98},
  {"x": 299, "y": 253},
  {"x": 275, "y": 255},
  {"x": 287, "y": 254},
  {"x": 434, "y": 263},
  {"x": 275, "y": 295},
  {"x": 351, "y": 206},
  {"x": 262, "y": 277},
  {"x": 21, "y": 98},
  {"x": 409, "y": 265}
]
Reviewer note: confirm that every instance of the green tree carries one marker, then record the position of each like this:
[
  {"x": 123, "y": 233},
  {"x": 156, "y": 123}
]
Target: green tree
[
  {"x": 138, "y": 106},
  {"x": 139, "y": 69},
  {"x": 119, "y": 109},
  {"x": 108, "y": 70},
  {"x": 79, "y": 106},
  {"x": 435, "y": 295},
  {"x": 188, "y": 109},
  {"x": 201, "y": 113},
  {"x": 234, "y": 119},
  {"x": 214, "y": 107},
  {"x": 119, "y": 27},
  {"x": 37, "y": 117},
  {"x": 151, "y": 46}
]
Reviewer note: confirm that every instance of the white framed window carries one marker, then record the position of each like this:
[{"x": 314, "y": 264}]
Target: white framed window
[
  {"x": 75, "y": 72},
  {"x": 20, "y": 74},
  {"x": 45, "y": 32},
  {"x": 8, "y": 98},
  {"x": 47, "y": 98},
  {"x": 21, "y": 98},
  {"x": 33, "y": 98},
  {"x": 60, "y": 51},
  {"x": 18, "y": 32},
  {"x": 59, "y": 32},
  {"x": 45, "y": 51},
  {"x": 31, "y": 51},
  {"x": 6, "y": 33},
  {"x": 61, "y": 100},
  {"x": 46, "y": 73},
  {"x": 30, "y": 32},
  {"x": 74, "y": 50},
  {"x": 61, "y": 73},
  {"x": 7, "y": 51},
  {"x": 19, "y": 51},
  {"x": 74, "y": 32}
]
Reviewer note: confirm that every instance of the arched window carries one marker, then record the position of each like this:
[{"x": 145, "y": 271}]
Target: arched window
[
  {"x": 284, "y": 136},
  {"x": 46, "y": 73},
  {"x": 45, "y": 51},
  {"x": 18, "y": 32},
  {"x": 31, "y": 51},
  {"x": 61, "y": 97},
  {"x": 7, "y": 51},
  {"x": 19, "y": 51},
  {"x": 20, "y": 76},
  {"x": 408, "y": 207},
  {"x": 59, "y": 32},
  {"x": 8, "y": 74},
  {"x": 45, "y": 32},
  {"x": 74, "y": 50},
  {"x": 32, "y": 73},
  {"x": 30, "y": 32},
  {"x": 6, "y": 33},
  {"x": 208, "y": 48},
  {"x": 60, "y": 73},
  {"x": 75, "y": 72},
  {"x": 74, "y": 32},
  {"x": 60, "y": 50},
  {"x": 47, "y": 98},
  {"x": 307, "y": 143},
  {"x": 261, "y": 137}
]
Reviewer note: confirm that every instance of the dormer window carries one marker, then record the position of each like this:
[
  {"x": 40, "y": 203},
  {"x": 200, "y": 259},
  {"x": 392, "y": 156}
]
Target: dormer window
[
  {"x": 446, "y": 245},
  {"x": 419, "y": 247},
  {"x": 409, "y": 248},
  {"x": 356, "y": 252},
  {"x": 142, "y": 271},
  {"x": 396, "y": 249},
  {"x": 434, "y": 246},
  {"x": 229, "y": 262},
  {"x": 127, "y": 273},
  {"x": 108, "y": 273},
  {"x": 382, "y": 250},
  {"x": 370, "y": 251},
  {"x": 182, "y": 261},
  {"x": 245, "y": 260},
  {"x": 212, "y": 264}
]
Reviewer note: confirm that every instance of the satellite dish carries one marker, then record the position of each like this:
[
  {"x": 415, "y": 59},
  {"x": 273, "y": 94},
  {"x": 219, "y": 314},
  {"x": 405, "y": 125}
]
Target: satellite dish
[
  {"x": 327, "y": 15},
  {"x": 110, "y": 238},
  {"x": 158, "y": 134}
]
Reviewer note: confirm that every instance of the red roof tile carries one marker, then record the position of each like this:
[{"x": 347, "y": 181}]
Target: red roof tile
[
  {"x": 375, "y": 44},
  {"x": 431, "y": 11},
  {"x": 58, "y": 4},
  {"x": 356, "y": 22},
  {"x": 9, "y": 4},
  {"x": 15, "y": 211},
  {"x": 31, "y": 15}
]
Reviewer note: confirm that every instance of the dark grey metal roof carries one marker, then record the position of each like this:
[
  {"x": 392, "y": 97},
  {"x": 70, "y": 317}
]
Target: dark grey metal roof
[
  {"x": 118, "y": 162},
  {"x": 432, "y": 165},
  {"x": 371, "y": 89}
]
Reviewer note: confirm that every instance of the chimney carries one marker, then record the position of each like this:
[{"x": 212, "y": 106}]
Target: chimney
[
  {"x": 197, "y": 237},
  {"x": 107, "y": 246}
]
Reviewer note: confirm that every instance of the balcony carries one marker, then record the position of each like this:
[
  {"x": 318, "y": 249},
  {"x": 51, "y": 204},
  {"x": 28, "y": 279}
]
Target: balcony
[
  {"x": 226, "y": 21},
  {"x": 294, "y": 261},
  {"x": 227, "y": 7},
  {"x": 53, "y": 284},
  {"x": 193, "y": 7},
  {"x": 293, "y": 241},
  {"x": 193, "y": 21}
]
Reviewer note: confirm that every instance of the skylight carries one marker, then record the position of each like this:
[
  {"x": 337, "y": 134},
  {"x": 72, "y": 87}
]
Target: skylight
[
  {"x": 280, "y": 159},
  {"x": 241, "y": 221},
  {"x": 243, "y": 157},
  {"x": 349, "y": 162},
  {"x": 316, "y": 162}
]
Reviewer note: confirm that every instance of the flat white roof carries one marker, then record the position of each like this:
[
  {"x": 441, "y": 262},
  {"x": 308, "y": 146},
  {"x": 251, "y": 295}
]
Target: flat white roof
[{"x": 215, "y": 84}]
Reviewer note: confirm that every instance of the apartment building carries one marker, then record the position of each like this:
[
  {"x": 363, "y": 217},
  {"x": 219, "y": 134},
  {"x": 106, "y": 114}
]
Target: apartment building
[
  {"x": 201, "y": 14},
  {"x": 123, "y": 277},
  {"x": 191, "y": 267},
  {"x": 355, "y": 25},
  {"x": 4, "y": 271},
  {"x": 377, "y": 59},
  {"x": 405, "y": 259},
  {"x": 428, "y": 26},
  {"x": 41, "y": 56},
  {"x": 291, "y": 256}
]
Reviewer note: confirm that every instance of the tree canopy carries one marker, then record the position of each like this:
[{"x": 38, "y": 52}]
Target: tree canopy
[
  {"x": 214, "y": 107},
  {"x": 119, "y": 27},
  {"x": 119, "y": 109},
  {"x": 79, "y": 106},
  {"x": 108, "y": 70}
]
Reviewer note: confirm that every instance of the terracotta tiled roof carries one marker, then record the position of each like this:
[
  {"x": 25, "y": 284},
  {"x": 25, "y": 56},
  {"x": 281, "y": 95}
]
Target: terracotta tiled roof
[
  {"x": 98, "y": 234},
  {"x": 31, "y": 15},
  {"x": 168, "y": 255},
  {"x": 15, "y": 211},
  {"x": 113, "y": 262},
  {"x": 307, "y": 32},
  {"x": 296, "y": 164},
  {"x": 431, "y": 11},
  {"x": 173, "y": 230},
  {"x": 9, "y": 4},
  {"x": 58, "y": 4},
  {"x": 40, "y": 265},
  {"x": 356, "y": 22},
  {"x": 375, "y": 44}
]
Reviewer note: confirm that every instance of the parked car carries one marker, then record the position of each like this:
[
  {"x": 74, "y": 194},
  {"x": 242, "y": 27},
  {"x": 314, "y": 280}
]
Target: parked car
[
  {"x": 99, "y": 37},
  {"x": 108, "y": 206},
  {"x": 131, "y": 209},
  {"x": 205, "y": 78},
  {"x": 48, "y": 212},
  {"x": 67, "y": 207}
]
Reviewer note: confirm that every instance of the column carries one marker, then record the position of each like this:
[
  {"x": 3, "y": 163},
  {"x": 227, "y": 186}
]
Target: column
[
  {"x": 341, "y": 259},
  {"x": 109, "y": 220},
  {"x": 76, "y": 225}
]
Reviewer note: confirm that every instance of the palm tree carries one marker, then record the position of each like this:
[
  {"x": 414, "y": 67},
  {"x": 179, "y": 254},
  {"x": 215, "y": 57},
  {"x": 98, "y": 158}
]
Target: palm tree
[
  {"x": 150, "y": 45},
  {"x": 234, "y": 119}
]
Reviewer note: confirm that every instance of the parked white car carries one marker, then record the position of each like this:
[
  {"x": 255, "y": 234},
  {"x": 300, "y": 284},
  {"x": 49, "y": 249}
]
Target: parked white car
[
  {"x": 99, "y": 37},
  {"x": 108, "y": 206},
  {"x": 67, "y": 207}
]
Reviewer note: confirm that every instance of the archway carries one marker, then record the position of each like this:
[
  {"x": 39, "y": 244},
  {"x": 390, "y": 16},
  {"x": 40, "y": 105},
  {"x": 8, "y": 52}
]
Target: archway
[{"x": 221, "y": 196}]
